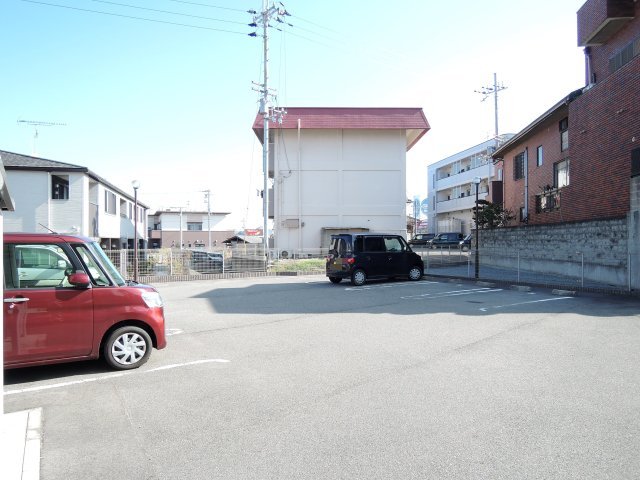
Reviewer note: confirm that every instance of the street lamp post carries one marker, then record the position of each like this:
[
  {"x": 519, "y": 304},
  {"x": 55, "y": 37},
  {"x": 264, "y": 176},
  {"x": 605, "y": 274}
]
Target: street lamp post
[
  {"x": 476, "y": 180},
  {"x": 135, "y": 184}
]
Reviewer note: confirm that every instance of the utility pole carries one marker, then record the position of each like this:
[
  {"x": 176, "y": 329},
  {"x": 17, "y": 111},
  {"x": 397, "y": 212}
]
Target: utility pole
[
  {"x": 35, "y": 124},
  {"x": 207, "y": 196},
  {"x": 269, "y": 12},
  {"x": 486, "y": 92}
]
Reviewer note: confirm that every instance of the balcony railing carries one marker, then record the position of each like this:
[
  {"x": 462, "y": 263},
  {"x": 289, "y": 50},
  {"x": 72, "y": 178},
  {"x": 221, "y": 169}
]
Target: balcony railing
[
  {"x": 466, "y": 177},
  {"x": 462, "y": 203}
]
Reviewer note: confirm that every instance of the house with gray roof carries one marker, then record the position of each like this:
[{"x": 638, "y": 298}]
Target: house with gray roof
[{"x": 55, "y": 196}]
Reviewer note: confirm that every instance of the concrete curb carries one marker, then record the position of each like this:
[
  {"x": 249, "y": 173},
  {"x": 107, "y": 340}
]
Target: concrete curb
[
  {"x": 521, "y": 288},
  {"x": 20, "y": 442},
  {"x": 557, "y": 291}
]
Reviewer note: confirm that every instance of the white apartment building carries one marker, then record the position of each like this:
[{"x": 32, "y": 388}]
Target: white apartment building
[
  {"x": 452, "y": 187},
  {"x": 338, "y": 170},
  {"x": 65, "y": 198}
]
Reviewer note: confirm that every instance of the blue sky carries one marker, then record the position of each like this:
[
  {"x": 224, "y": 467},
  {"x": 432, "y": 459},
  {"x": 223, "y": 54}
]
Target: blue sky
[{"x": 172, "y": 106}]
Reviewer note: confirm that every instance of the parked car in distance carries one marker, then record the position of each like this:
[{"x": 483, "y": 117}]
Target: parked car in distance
[
  {"x": 465, "y": 243},
  {"x": 65, "y": 301},
  {"x": 445, "y": 240},
  {"x": 421, "y": 239},
  {"x": 206, "y": 262},
  {"x": 363, "y": 256}
]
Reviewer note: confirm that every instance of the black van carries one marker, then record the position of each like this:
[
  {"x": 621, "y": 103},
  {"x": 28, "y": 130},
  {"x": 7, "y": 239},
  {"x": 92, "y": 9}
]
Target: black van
[{"x": 363, "y": 256}]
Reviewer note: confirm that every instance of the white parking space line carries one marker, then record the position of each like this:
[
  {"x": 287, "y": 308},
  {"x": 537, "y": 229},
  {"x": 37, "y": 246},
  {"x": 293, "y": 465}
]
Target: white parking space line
[
  {"x": 453, "y": 293},
  {"x": 173, "y": 331},
  {"x": 484, "y": 309},
  {"x": 112, "y": 375},
  {"x": 364, "y": 288}
]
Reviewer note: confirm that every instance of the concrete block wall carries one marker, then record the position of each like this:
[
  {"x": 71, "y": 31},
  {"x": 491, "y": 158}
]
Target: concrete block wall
[{"x": 601, "y": 246}]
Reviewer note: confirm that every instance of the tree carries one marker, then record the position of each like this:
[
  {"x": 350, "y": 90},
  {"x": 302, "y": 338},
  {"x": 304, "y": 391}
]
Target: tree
[{"x": 492, "y": 215}]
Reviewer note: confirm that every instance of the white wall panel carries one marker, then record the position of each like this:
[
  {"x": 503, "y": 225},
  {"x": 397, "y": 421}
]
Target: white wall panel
[
  {"x": 30, "y": 193},
  {"x": 66, "y": 215}
]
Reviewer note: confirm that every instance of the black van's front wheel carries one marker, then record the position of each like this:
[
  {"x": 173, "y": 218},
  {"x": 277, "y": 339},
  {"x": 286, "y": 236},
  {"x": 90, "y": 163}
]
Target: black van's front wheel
[
  {"x": 358, "y": 277},
  {"x": 415, "y": 273}
]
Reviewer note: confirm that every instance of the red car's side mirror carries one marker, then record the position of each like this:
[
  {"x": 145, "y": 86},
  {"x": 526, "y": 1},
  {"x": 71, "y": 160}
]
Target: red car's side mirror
[{"x": 79, "y": 279}]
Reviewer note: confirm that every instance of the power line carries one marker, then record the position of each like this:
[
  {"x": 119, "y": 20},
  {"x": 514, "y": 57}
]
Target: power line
[
  {"x": 315, "y": 24},
  {"x": 209, "y": 6},
  {"x": 289, "y": 32},
  {"x": 167, "y": 11},
  {"x": 133, "y": 18}
]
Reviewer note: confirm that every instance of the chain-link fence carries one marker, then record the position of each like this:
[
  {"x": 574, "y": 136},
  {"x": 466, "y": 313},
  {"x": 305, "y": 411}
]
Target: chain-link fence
[
  {"x": 575, "y": 270},
  {"x": 177, "y": 263}
]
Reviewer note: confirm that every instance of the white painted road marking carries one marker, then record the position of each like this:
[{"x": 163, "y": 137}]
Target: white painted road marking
[
  {"x": 113, "y": 375},
  {"x": 388, "y": 285},
  {"x": 453, "y": 293},
  {"x": 484, "y": 309},
  {"x": 173, "y": 331}
]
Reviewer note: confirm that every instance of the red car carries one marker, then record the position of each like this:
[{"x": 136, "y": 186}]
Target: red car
[{"x": 65, "y": 301}]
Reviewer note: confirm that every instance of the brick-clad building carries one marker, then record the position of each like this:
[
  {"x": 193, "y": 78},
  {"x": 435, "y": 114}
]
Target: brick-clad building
[{"x": 574, "y": 163}]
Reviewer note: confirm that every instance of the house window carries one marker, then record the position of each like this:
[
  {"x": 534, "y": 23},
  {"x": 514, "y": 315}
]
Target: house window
[
  {"x": 123, "y": 208},
  {"x": 548, "y": 201},
  {"x": 518, "y": 166},
  {"x": 561, "y": 173},
  {"x": 109, "y": 202},
  {"x": 564, "y": 134},
  {"x": 635, "y": 162},
  {"x": 194, "y": 226},
  {"x": 60, "y": 187},
  {"x": 130, "y": 210},
  {"x": 539, "y": 156}
]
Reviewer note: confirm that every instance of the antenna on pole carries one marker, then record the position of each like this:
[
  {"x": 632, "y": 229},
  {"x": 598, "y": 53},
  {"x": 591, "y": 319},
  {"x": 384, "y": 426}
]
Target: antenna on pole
[
  {"x": 35, "y": 124},
  {"x": 268, "y": 113},
  {"x": 486, "y": 92}
]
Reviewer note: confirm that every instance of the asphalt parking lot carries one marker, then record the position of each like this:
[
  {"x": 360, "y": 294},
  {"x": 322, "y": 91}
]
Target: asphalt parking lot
[{"x": 294, "y": 377}]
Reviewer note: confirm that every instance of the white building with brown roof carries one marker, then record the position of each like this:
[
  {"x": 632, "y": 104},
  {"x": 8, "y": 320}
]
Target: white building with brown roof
[{"x": 338, "y": 170}]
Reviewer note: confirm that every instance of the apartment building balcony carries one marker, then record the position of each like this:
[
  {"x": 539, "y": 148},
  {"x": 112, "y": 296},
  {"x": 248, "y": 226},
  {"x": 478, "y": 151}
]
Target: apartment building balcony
[
  {"x": 463, "y": 203},
  {"x": 599, "y": 20},
  {"x": 465, "y": 178}
]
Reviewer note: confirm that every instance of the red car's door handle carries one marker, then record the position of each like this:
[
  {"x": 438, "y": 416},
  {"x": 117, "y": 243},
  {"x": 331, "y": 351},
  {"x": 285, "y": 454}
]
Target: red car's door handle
[{"x": 16, "y": 300}]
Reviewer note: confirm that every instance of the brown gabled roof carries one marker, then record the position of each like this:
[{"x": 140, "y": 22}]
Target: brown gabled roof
[{"x": 411, "y": 119}]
